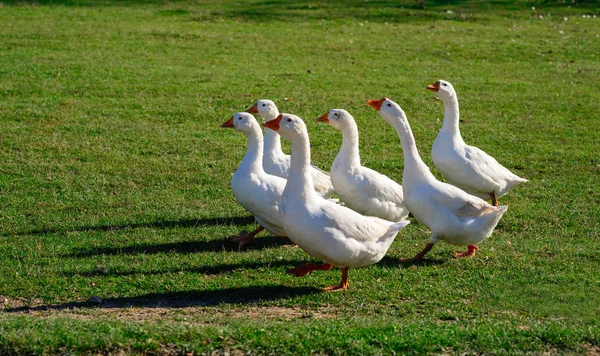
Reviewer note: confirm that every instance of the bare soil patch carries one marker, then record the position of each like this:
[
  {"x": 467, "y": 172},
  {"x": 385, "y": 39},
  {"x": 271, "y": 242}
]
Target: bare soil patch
[{"x": 83, "y": 310}]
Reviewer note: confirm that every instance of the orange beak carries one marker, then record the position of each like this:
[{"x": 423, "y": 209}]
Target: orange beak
[
  {"x": 228, "y": 123},
  {"x": 253, "y": 109},
  {"x": 273, "y": 124},
  {"x": 435, "y": 87},
  {"x": 324, "y": 118},
  {"x": 376, "y": 104}
]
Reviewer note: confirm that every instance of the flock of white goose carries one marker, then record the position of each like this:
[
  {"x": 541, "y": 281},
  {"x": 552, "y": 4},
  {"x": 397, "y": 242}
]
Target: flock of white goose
[{"x": 290, "y": 197}]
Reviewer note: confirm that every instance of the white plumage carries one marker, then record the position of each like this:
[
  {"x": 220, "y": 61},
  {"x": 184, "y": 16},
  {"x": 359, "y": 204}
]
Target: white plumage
[
  {"x": 255, "y": 190},
  {"x": 276, "y": 162},
  {"x": 325, "y": 230},
  {"x": 362, "y": 189},
  {"x": 451, "y": 214},
  {"x": 464, "y": 166}
]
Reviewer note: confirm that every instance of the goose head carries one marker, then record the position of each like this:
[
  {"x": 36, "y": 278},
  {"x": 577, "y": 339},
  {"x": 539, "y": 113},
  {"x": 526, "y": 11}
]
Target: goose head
[
  {"x": 443, "y": 89},
  {"x": 389, "y": 110},
  {"x": 289, "y": 126},
  {"x": 337, "y": 118},
  {"x": 265, "y": 109},
  {"x": 242, "y": 122}
]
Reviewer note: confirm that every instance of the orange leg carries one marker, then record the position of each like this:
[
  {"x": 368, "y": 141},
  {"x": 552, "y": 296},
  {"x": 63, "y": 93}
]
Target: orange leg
[
  {"x": 245, "y": 238},
  {"x": 308, "y": 268},
  {"x": 343, "y": 284},
  {"x": 419, "y": 256},
  {"x": 470, "y": 252},
  {"x": 494, "y": 200}
]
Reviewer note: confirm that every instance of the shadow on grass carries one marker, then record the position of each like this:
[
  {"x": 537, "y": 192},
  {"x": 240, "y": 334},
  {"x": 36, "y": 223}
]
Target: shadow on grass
[
  {"x": 214, "y": 269},
  {"x": 237, "y": 220},
  {"x": 392, "y": 262},
  {"x": 282, "y": 10},
  {"x": 87, "y": 3},
  {"x": 259, "y": 243},
  {"x": 237, "y": 295},
  {"x": 345, "y": 5}
]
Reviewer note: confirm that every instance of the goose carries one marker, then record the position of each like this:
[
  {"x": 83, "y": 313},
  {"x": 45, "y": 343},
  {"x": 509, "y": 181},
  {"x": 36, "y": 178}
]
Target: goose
[
  {"x": 276, "y": 162},
  {"x": 464, "y": 166},
  {"x": 362, "y": 189},
  {"x": 451, "y": 214},
  {"x": 338, "y": 235},
  {"x": 255, "y": 190}
]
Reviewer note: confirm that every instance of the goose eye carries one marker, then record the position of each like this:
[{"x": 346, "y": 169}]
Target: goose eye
[
  {"x": 264, "y": 104},
  {"x": 335, "y": 114},
  {"x": 239, "y": 118},
  {"x": 444, "y": 84},
  {"x": 289, "y": 120},
  {"x": 389, "y": 105}
]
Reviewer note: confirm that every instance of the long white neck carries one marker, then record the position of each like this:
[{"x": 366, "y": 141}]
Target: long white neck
[
  {"x": 272, "y": 143},
  {"x": 413, "y": 164},
  {"x": 300, "y": 181},
  {"x": 349, "y": 154},
  {"x": 252, "y": 161},
  {"x": 272, "y": 138},
  {"x": 451, "y": 116}
]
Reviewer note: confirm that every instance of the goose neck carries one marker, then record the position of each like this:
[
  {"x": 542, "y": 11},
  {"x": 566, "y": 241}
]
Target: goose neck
[
  {"x": 252, "y": 160},
  {"x": 349, "y": 153},
  {"x": 272, "y": 138},
  {"x": 272, "y": 143},
  {"x": 413, "y": 164},
  {"x": 451, "y": 116},
  {"x": 300, "y": 179}
]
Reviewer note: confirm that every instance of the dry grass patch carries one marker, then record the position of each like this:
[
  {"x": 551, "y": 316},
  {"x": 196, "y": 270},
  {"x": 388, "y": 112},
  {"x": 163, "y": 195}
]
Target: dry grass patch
[{"x": 86, "y": 311}]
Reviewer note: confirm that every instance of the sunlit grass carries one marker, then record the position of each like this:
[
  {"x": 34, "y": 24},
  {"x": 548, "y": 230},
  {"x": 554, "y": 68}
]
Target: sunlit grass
[{"x": 115, "y": 175}]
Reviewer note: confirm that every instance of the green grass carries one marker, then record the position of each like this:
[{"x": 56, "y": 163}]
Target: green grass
[{"x": 114, "y": 179}]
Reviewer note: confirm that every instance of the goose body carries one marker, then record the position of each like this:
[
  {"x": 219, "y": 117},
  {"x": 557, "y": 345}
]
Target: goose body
[
  {"x": 276, "y": 162},
  {"x": 338, "y": 235},
  {"x": 254, "y": 189},
  {"x": 451, "y": 214},
  {"x": 362, "y": 189},
  {"x": 464, "y": 166}
]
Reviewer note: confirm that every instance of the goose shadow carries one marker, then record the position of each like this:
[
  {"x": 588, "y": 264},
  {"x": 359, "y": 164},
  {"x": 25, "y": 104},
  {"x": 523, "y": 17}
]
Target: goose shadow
[
  {"x": 214, "y": 269},
  {"x": 168, "y": 224},
  {"x": 183, "y": 247},
  {"x": 391, "y": 262},
  {"x": 232, "y": 296}
]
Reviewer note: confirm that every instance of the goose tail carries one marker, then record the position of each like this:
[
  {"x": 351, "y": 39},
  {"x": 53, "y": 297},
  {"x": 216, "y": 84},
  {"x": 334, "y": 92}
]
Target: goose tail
[{"x": 393, "y": 230}]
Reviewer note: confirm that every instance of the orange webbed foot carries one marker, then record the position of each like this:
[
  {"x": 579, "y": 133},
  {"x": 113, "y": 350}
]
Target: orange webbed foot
[
  {"x": 308, "y": 268},
  {"x": 300, "y": 271},
  {"x": 335, "y": 288},
  {"x": 470, "y": 252},
  {"x": 343, "y": 284},
  {"x": 243, "y": 238},
  {"x": 412, "y": 259}
]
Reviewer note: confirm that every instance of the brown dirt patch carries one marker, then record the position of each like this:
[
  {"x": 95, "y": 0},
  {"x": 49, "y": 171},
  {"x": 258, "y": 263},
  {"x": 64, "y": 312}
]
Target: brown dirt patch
[
  {"x": 83, "y": 311},
  {"x": 592, "y": 350}
]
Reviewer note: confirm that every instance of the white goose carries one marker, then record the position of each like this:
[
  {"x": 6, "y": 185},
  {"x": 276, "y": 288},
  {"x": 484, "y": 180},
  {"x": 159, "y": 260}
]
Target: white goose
[
  {"x": 464, "y": 166},
  {"x": 451, "y": 214},
  {"x": 362, "y": 189},
  {"x": 338, "y": 235},
  {"x": 255, "y": 190},
  {"x": 276, "y": 162}
]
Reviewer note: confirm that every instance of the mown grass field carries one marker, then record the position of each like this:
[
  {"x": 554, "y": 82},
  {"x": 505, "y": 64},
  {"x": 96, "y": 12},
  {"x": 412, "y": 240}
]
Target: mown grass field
[{"x": 114, "y": 175}]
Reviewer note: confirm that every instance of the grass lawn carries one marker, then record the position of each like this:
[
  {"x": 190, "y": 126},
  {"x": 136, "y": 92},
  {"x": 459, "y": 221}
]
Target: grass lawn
[{"x": 114, "y": 175}]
